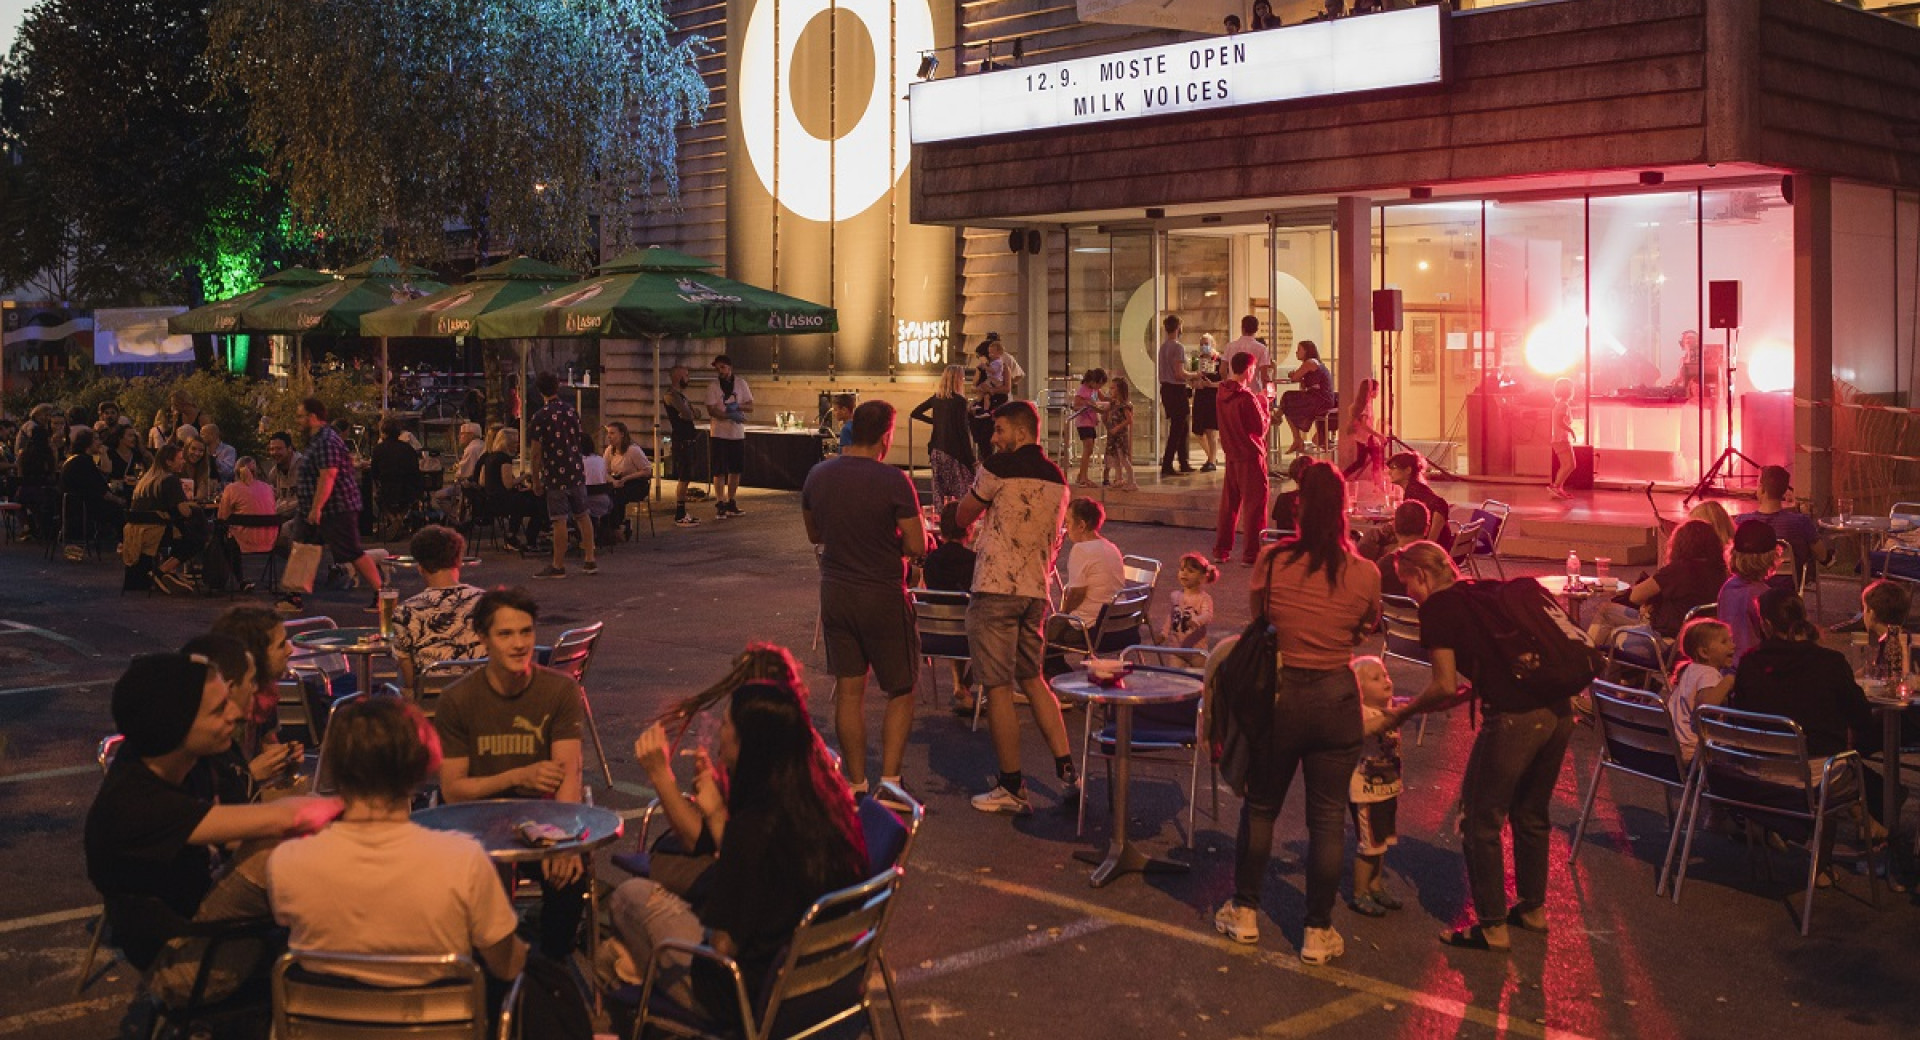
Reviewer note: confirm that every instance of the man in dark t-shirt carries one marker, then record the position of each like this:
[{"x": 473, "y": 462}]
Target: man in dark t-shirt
[
  {"x": 553, "y": 435},
  {"x": 149, "y": 839},
  {"x": 865, "y": 517},
  {"x": 1517, "y": 752},
  {"x": 512, "y": 730}
]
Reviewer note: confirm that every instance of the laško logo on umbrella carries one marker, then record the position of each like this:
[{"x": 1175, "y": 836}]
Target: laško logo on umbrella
[
  {"x": 693, "y": 292},
  {"x": 583, "y": 322},
  {"x": 796, "y": 321}
]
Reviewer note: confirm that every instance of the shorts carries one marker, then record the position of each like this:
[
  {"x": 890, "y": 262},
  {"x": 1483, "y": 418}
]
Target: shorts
[
  {"x": 571, "y": 501},
  {"x": 1373, "y": 826},
  {"x": 870, "y": 628},
  {"x": 1088, "y": 433},
  {"x": 1003, "y": 634},
  {"x": 340, "y": 533},
  {"x": 729, "y": 456}
]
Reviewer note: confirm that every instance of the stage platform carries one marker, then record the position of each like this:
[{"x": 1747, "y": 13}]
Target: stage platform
[{"x": 1616, "y": 523}]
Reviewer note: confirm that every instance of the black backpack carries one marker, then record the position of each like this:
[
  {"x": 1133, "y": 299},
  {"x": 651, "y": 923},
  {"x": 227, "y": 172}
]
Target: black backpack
[{"x": 1549, "y": 658}]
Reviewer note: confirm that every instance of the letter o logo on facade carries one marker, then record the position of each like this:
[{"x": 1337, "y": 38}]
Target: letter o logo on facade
[{"x": 815, "y": 183}]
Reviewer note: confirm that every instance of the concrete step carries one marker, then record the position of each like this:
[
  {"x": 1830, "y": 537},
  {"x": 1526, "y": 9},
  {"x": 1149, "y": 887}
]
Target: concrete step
[{"x": 1546, "y": 538}]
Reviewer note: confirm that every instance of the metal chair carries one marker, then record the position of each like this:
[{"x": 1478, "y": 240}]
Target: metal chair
[
  {"x": 1897, "y": 561},
  {"x": 312, "y": 1000},
  {"x": 1400, "y": 626},
  {"x": 431, "y": 682},
  {"x": 1639, "y": 649},
  {"x": 941, "y": 619},
  {"x": 890, "y": 840},
  {"x": 270, "y": 560},
  {"x": 1143, "y": 571},
  {"x": 1704, "y": 610},
  {"x": 820, "y": 982},
  {"x": 1493, "y": 516},
  {"x": 1116, "y": 627},
  {"x": 1270, "y": 535},
  {"x": 1758, "y": 765},
  {"x": 108, "y": 748},
  {"x": 1637, "y": 739},
  {"x": 1466, "y": 542},
  {"x": 76, "y": 524},
  {"x": 572, "y": 652},
  {"x": 1164, "y": 731}
]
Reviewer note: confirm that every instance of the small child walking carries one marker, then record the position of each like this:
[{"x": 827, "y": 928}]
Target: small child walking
[
  {"x": 1192, "y": 605},
  {"x": 1374, "y": 795},
  {"x": 1119, "y": 471},
  {"x": 1088, "y": 404},
  {"x": 1562, "y": 438}
]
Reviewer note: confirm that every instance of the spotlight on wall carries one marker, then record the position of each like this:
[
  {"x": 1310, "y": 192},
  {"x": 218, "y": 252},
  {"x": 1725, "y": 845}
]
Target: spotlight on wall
[
  {"x": 1420, "y": 193},
  {"x": 1019, "y": 49},
  {"x": 929, "y": 64},
  {"x": 1652, "y": 177}
]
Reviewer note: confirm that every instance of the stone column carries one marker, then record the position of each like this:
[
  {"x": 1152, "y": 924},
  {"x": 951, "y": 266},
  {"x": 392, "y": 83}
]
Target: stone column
[
  {"x": 1353, "y": 302},
  {"x": 1031, "y": 310},
  {"x": 1813, "y": 341}
]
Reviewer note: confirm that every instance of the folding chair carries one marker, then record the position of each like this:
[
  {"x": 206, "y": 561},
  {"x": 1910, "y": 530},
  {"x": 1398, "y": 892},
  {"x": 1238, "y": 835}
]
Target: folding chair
[
  {"x": 941, "y": 619},
  {"x": 1466, "y": 542},
  {"x": 131, "y": 915},
  {"x": 1400, "y": 624},
  {"x": 270, "y": 564},
  {"x": 572, "y": 652},
  {"x": 108, "y": 748},
  {"x": 890, "y": 840},
  {"x": 431, "y": 682},
  {"x": 1804, "y": 573},
  {"x": 1142, "y": 571},
  {"x": 313, "y": 1000},
  {"x": 1639, "y": 649},
  {"x": 1270, "y": 535},
  {"x": 819, "y": 983},
  {"x": 1116, "y": 627},
  {"x": 1493, "y": 516},
  {"x": 1158, "y": 731},
  {"x": 1636, "y": 739},
  {"x": 1758, "y": 765}
]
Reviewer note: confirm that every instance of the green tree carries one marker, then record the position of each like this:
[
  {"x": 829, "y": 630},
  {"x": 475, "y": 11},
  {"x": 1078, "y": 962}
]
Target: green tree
[
  {"x": 136, "y": 183},
  {"x": 527, "y": 120}
]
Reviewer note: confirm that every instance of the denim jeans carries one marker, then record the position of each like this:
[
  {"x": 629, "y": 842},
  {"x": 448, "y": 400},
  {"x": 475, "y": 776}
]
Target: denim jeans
[
  {"x": 1509, "y": 782},
  {"x": 1316, "y": 730}
]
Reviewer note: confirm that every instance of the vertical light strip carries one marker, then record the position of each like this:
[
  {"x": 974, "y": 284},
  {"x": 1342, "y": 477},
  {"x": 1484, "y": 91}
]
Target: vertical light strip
[
  {"x": 778, "y": 72},
  {"x": 888, "y": 336},
  {"x": 833, "y": 170}
]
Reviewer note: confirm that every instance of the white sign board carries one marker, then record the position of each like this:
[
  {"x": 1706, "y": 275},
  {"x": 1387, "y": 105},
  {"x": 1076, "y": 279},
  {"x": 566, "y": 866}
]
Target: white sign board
[
  {"x": 138, "y": 335},
  {"x": 1391, "y": 50}
]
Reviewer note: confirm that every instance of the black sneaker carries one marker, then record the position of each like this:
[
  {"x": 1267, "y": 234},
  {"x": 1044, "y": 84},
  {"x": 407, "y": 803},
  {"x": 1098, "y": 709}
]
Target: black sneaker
[
  {"x": 734, "y": 508},
  {"x": 590, "y": 567},
  {"x": 720, "y": 511},
  {"x": 550, "y": 571}
]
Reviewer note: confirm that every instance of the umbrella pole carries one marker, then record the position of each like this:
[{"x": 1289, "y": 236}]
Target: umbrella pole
[
  {"x": 659, "y": 481},
  {"x": 386, "y": 380},
  {"x": 525, "y": 350}
]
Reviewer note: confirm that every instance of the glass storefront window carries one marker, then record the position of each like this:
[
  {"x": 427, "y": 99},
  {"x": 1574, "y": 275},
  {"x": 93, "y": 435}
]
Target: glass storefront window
[
  {"x": 1645, "y": 409},
  {"x": 1748, "y": 239},
  {"x": 1431, "y": 253},
  {"x": 1536, "y": 333}
]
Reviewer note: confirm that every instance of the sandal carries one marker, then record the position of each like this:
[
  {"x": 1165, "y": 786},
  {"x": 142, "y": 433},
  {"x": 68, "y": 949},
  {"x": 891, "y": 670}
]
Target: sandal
[
  {"x": 1367, "y": 906},
  {"x": 1386, "y": 899},
  {"x": 1471, "y": 939},
  {"x": 1528, "y": 917}
]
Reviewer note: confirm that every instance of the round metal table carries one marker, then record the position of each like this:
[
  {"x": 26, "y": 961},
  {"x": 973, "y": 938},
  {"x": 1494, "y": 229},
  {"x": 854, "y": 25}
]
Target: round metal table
[
  {"x": 1144, "y": 685},
  {"x": 494, "y": 822},
  {"x": 1573, "y": 595},
  {"x": 360, "y": 644},
  {"x": 1867, "y": 531},
  {"x": 1886, "y": 702}
]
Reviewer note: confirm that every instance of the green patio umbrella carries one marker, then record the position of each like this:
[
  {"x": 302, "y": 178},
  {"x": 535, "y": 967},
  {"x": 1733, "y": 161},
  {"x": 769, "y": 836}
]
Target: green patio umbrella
[
  {"x": 337, "y": 306},
  {"x": 651, "y": 294},
  {"x": 452, "y": 311},
  {"x": 224, "y": 316}
]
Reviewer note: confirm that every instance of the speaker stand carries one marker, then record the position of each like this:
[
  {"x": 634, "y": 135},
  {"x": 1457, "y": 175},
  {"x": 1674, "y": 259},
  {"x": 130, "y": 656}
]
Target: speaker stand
[
  {"x": 1389, "y": 428},
  {"x": 1730, "y": 454}
]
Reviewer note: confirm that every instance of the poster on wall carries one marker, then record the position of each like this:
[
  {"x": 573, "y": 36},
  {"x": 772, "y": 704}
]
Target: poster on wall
[
  {"x": 1423, "y": 345},
  {"x": 138, "y": 336},
  {"x": 818, "y": 194},
  {"x": 38, "y": 344}
]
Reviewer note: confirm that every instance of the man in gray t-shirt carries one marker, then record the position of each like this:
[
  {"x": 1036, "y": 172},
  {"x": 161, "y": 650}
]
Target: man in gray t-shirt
[
  {"x": 864, "y": 516},
  {"x": 512, "y": 730}
]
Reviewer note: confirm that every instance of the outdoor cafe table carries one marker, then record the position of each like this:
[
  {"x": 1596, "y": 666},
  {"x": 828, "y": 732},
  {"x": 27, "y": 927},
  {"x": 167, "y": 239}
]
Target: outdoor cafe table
[
  {"x": 495, "y": 822},
  {"x": 1144, "y": 685},
  {"x": 1887, "y": 703},
  {"x": 1869, "y": 531},
  {"x": 361, "y": 644},
  {"x": 1573, "y": 595}
]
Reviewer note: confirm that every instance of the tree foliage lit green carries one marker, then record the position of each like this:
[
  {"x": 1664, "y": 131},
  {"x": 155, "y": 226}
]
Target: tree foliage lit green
[
  {"x": 526, "y": 120},
  {"x": 135, "y": 180}
]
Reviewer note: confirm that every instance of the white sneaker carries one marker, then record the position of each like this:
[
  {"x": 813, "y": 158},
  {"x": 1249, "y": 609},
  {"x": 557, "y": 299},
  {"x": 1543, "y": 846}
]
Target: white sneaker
[
  {"x": 1237, "y": 922},
  {"x": 1001, "y": 800},
  {"x": 1321, "y": 946}
]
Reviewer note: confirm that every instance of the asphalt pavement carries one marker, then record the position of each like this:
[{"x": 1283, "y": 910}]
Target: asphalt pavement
[{"x": 1000, "y": 934}]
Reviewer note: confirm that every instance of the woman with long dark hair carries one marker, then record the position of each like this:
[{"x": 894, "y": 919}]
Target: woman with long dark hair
[
  {"x": 1313, "y": 401},
  {"x": 1694, "y": 570},
  {"x": 1321, "y": 597},
  {"x": 161, "y": 499},
  {"x": 783, "y": 820}
]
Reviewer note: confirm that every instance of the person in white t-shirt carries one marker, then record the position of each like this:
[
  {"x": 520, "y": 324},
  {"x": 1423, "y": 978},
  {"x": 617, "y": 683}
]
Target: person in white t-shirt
[
  {"x": 1095, "y": 573},
  {"x": 1261, "y": 374},
  {"x": 1705, "y": 676},
  {"x": 729, "y": 402},
  {"x": 375, "y": 882}
]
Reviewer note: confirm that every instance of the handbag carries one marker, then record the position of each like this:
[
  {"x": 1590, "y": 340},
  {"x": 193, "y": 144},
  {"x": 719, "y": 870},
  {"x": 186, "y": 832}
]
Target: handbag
[
  {"x": 303, "y": 565},
  {"x": 1244, "y": 684}
]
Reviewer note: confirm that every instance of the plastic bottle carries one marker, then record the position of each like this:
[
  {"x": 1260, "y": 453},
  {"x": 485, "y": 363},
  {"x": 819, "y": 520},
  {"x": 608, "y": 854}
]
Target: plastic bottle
[{"x": 1573, "y": 567}]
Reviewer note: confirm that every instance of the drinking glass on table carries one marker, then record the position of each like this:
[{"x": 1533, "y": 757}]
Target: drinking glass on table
[
  {"x": 1846, "y": 509},
  {"x": 1602, "y": 565}
]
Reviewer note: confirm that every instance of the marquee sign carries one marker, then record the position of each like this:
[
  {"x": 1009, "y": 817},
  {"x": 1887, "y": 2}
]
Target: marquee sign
[{"x": 1390, "y": 50}]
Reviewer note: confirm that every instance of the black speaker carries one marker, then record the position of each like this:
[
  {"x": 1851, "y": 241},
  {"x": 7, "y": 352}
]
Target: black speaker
[
  {"x": 1386, "y": 310},
  {"x": 1034, "y": 241},
  {"x": 1723, "y": 305},
  {"x": 1016, "y": 241}
]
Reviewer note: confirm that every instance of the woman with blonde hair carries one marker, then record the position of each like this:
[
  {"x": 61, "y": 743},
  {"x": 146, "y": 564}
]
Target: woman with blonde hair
[
  {"x": 1369, "y": 460},
  {"x": 950, "y": 448},
  {"x": 1715, "y": 514},
  {"x": 248, "y": 495}
]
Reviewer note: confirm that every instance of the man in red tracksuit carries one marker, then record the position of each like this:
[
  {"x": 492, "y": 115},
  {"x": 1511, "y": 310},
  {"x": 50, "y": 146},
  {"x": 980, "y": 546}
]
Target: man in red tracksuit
[{"x": 1243, "y": 435}]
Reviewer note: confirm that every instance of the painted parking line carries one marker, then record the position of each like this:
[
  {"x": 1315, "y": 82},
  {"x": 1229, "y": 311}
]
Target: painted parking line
[
  {"x": 1322, "y": 1018},
  {"x": 1378, "y": 989},
  {"x": 15, "y": 628},
  {"x": 21, "y": 924},
  {"x": 55, "y": 688},
  {"x": 1002, "y": 950},
  {"x": 48, "y": 774},
  {"x": 62, "y": 1013}
]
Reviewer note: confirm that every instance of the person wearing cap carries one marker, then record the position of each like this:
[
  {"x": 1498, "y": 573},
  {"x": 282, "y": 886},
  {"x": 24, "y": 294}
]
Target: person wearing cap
[
  {"x": 1778, "y": 508},
  {"x": 729, "y": 402},
  {"x": 153, "y": 846},
  {"x": 1751, "y": 557}
]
